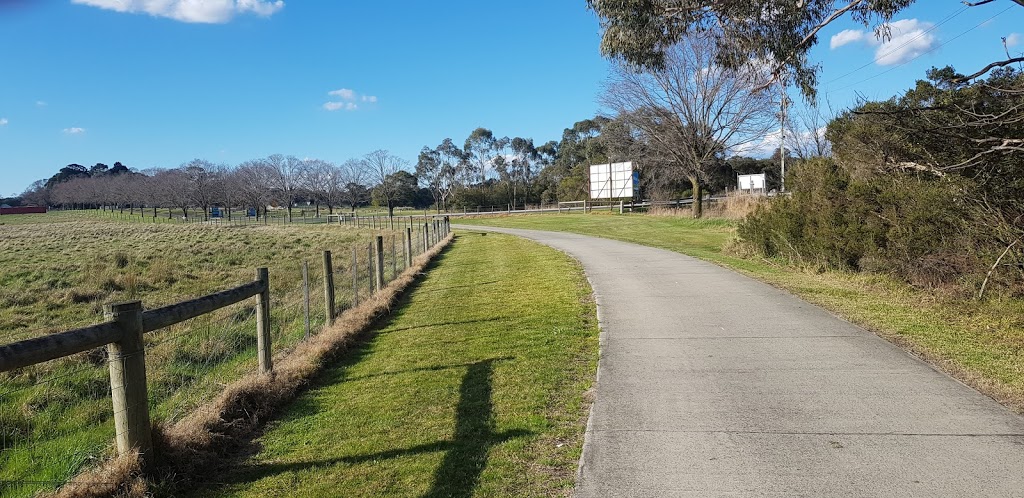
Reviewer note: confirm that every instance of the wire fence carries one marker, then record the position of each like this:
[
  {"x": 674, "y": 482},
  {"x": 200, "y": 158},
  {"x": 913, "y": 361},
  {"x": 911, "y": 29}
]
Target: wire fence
[{"x": 56, "y": 417}]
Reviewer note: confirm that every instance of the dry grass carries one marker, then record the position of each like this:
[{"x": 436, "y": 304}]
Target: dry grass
[
  {"x": 191, "y": 449},
  {"x": 56, "y": 417},
  {"x": 735, "y": 206}
]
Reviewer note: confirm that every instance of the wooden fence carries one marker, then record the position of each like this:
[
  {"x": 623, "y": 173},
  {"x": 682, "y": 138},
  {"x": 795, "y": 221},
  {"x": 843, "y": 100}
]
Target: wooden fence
[{"x": 127, "y": 322}]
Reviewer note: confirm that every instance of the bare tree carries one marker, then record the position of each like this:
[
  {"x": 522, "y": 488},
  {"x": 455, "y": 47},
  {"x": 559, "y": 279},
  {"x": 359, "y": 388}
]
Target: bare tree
[
  {"x": 286, "y": 178},
  {"x": 805, "y": 132},
  {"x": 381, "y": 166},
  {"x": 354, "y": 174},
  {"x": 254, "y": 179},
  {"x": 174, "y": 188},
  {"x": 318, "y": 178},
  {"x": 692, "y": 110},
  {"x": 204, "y": 184}
]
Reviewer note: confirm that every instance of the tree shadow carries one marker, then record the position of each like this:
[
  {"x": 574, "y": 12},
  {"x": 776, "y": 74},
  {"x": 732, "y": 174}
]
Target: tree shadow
[
  {"x": 474, "y": 436},
  {"x": 465, "y": 454}
]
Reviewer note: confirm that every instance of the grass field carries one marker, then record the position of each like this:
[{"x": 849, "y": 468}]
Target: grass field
[
  {"x": 59, "y": 268},
  {"x": 981, "y": 343},
  {"x": 475, "y": 386}
]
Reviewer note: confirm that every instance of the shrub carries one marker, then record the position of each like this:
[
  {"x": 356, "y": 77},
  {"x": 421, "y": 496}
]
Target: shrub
[{"x": 915, "y": 227}]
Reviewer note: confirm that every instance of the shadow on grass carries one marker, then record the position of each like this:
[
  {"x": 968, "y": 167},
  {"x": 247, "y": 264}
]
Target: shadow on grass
[
  {"x": 465, "y": 454},
  {"x": 442, "y": 324}
]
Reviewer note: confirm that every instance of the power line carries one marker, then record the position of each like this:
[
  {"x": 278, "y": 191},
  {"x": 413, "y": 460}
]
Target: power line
[
  {"x": 908, "y": 42},
  {"x": 921, "y": 54}
]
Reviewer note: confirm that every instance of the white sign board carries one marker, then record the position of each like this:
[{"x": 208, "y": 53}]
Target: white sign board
[
  {"x": 611, "y": 181},
  {"x": 751, "y": 182}
]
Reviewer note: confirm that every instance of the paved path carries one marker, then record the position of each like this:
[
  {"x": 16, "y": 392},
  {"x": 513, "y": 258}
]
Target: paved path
[{"x": 713, "y": 384}]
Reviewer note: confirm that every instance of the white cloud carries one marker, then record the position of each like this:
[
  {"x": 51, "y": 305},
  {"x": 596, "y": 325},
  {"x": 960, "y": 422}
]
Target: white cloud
[
  {"x": 74, "y": 130},
  {"x": 910, "y": 38},
  {"x": 1014, "y": 39},
  {"x": 4, "y": 121},
  {"x": 846, "y": 36},
  {"x": 260, "y": 7},
  {"x": 335, "y": 106},
  {"x": 40, "y": 103},
  {"x": 197, "y": 11},
  {"x": 349, "y": 98},
  {"x": 344, "y": 93},
  {"x": 769, "y": 144}
]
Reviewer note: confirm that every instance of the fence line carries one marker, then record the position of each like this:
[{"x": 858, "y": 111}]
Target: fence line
[{"x": 125, "y": 331}]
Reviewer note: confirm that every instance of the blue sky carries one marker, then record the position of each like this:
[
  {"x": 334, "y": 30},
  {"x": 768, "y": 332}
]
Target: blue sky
[{"x": 157, "y": 83}]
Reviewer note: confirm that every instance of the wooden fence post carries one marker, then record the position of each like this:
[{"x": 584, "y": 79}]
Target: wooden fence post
[
  {"x": 329, "y": 288},
  {"x": 369, "y": 265},
  {"x": 394, "y": 259},
  {"x": 305, "y": 287},
  {"x": 426, "y": 237},
  {"x": 380, "y": 263},
  {"x": 408, "y": 247},
  {"x": 355, "y": 278},
  {"x": 263, "y": 322},
  {"x": 128, "y": 380}
]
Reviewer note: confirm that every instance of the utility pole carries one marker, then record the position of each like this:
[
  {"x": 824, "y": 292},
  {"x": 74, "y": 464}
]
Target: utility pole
[{"x": 782, "y": 137}]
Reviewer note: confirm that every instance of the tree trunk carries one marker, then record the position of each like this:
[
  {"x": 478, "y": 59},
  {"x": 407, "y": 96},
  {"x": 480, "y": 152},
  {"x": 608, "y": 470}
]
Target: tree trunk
[{"x": 698, "y": 198}]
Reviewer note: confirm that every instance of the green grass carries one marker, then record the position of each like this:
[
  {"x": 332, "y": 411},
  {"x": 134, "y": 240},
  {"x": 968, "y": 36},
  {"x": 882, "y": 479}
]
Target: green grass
[
  {"x": 982, "y": 343},
  {"x": 475, "y": 386},
  {"x": 59, "y": 268}
]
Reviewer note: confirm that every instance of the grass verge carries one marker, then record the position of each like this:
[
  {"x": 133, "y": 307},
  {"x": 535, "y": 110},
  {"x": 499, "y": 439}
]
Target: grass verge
[
  {"x": 475, "y": 386},
  {"x": 56, "y": 271},
  {"x": 195, "y": 448},
  {"x": 979, "y": 342}
]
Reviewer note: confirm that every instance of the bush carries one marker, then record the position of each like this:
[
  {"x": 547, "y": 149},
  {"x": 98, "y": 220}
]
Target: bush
[{"x": 914, "y": 227}]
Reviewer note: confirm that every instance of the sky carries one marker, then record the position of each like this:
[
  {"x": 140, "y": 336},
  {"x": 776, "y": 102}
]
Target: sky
[{"x": 157, "y": 83}]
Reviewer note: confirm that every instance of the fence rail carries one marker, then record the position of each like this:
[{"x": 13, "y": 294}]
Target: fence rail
[{"x": 127, "y": 323}]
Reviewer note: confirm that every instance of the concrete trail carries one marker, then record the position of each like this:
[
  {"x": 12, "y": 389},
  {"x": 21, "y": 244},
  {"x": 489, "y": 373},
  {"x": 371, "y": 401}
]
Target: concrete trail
[{"x": 713, "y": 384}]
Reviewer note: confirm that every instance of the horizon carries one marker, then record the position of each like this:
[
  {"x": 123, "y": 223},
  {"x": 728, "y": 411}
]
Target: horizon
[{"x": 102, "y": 81}]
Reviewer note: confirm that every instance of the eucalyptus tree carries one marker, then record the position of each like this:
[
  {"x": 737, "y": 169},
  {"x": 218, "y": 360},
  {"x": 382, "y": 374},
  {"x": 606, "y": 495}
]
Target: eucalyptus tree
[
  {"x": 479, "y": 153},
  {"x": 781, "y": 32},
  {"x": 520, "y": 167},
  {"x": 691, "y": 110}
]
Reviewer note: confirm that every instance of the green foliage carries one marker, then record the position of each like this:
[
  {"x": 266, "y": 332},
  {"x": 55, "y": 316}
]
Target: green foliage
[
  {"x": 640, "y": 31},
  {"x": 915, "y": 227}
]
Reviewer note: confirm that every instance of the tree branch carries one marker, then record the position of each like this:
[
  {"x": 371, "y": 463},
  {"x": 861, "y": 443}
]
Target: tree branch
[{"x": 990, "y": 66}]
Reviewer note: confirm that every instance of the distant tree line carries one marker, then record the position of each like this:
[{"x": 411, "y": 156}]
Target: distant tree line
[{"x": 254, "y": 185}]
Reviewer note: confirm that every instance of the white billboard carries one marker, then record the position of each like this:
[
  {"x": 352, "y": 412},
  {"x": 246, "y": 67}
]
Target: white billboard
[
  {"x": 611, "y": 181},
  {"x": 751, "y": 182}
]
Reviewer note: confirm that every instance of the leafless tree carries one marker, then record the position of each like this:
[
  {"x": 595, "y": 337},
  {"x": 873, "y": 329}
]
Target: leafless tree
[
  {"x": 285, "y": 178},
  {"x": 381, "y": 166},
  {"x": 317, "y": 179},
  {"x": 254, "y": 179},
  {"x": 204, "y": 184},
  {"x": 354, "y": 174},
  {"x": 805, "y": 132},
  {"x": 692, "y": 110}
]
